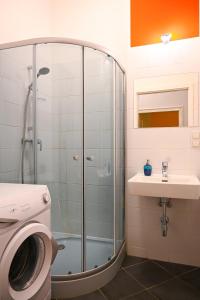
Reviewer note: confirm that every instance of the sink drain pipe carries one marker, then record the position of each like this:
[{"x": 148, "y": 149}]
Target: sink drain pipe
[{"x": 164, "y": 220}]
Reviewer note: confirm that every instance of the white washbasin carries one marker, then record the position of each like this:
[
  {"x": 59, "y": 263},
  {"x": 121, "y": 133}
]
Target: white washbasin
[{"x": 178, "y": 186}]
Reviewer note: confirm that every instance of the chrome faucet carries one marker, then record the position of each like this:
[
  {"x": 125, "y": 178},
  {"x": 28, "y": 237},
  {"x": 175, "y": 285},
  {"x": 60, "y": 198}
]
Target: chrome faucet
[{"x": 165, "y": 171}]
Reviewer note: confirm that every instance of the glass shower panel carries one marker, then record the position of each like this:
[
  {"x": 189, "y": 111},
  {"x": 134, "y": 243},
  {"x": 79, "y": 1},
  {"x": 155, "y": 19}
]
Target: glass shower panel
[
  {"x": 59, "y": 153},
  {"x": 98, "y": 158},
  {"x": 119, "y": 157},
  {"x": 15, "y": 79}
]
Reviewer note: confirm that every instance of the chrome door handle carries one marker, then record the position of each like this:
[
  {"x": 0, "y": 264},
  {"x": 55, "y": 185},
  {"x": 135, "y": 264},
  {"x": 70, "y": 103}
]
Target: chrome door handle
[
  {"x": 76, "y": 157},
  {"x": 39, "y": 142},
  {"x": 90, "y": 158}
]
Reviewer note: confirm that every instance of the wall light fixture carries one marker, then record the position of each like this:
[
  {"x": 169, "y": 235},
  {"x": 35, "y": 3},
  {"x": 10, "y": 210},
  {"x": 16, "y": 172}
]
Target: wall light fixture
[{"x": 166, "y": 37}]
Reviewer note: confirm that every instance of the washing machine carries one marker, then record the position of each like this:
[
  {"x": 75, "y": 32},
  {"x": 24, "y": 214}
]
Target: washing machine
[{"x": 27, "y": 248}]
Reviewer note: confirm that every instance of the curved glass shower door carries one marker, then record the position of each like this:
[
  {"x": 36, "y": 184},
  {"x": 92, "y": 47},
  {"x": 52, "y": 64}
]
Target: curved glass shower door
[
  {"x": 119, "y": 157},
  {"x": 80, "y": 146},
  {"x": 99, "y": 158},
  {"x": 59, "y": 155}
]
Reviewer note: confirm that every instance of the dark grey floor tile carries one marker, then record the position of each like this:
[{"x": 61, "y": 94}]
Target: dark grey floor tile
[
  {"x": 175, "y": 290},
  {"x": 175, "y": 269},
  {"x": 121, "y": 286},
  {"x": 132, "y": 260},
  {"x": 142, "y": 296},
  {"x": 148, "y": 273},
  {"x": 93, "y": 296},
  {"x": 193, "y": 278}
]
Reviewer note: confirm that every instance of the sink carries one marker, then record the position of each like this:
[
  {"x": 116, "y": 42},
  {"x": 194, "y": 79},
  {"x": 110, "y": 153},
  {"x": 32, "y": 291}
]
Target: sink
[{"x": 178, "y": 186}]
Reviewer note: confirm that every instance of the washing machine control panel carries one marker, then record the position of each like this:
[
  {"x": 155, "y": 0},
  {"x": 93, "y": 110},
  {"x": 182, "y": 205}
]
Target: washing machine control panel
[{"x": 19, "y": 202}]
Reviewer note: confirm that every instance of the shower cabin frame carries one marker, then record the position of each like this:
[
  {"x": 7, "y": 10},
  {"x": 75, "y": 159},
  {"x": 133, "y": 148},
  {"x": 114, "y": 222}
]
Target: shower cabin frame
[{"x": 86, "y": 281}]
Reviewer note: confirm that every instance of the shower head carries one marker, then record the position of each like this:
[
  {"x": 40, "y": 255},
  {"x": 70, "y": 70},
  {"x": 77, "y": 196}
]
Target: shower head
[{"x": 43, "y": 71}]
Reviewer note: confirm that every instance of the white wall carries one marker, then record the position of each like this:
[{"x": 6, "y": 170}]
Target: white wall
[
  {"x": 105, "y": 22},
  {"x": 24, "y": 19}
]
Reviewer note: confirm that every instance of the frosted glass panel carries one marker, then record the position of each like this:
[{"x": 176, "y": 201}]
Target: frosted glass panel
[
  {"x": 15, "y": 78},
  {"x": 98, "y": 153}
]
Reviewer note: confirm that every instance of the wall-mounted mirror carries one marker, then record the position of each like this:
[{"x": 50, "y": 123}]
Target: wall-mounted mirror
[{"x": 166, "y": 101}]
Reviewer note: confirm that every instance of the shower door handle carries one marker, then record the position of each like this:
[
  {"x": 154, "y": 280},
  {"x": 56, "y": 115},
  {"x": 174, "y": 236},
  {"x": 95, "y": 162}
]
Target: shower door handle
[
  {"x": 90, "y": 158},
  {"x": 39, "y": 142},
  {"x": 76, "y": 157}
]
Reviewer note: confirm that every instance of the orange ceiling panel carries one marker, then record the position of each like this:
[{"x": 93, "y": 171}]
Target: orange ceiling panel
[{"x": 151, "y": 18}]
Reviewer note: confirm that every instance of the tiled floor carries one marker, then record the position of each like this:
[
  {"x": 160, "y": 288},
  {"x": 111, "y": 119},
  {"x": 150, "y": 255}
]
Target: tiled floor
[{"x": 141, "y": 279}]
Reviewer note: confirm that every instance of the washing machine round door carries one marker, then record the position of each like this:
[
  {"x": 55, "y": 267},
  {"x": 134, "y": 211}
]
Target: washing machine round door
[{"x": 26, "y": 261}]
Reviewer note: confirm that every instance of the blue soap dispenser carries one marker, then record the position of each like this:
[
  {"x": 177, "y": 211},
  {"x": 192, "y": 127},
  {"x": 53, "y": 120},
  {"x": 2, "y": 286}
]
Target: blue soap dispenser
[{"x": 147, "y": 168}]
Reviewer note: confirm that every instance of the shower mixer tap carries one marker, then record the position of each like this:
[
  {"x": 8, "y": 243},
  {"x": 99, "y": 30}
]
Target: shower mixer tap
[{"x": 39, "y": 142}]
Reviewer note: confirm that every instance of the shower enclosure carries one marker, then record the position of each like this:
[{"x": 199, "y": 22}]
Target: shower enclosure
[{"x": 62, "y": 124}]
